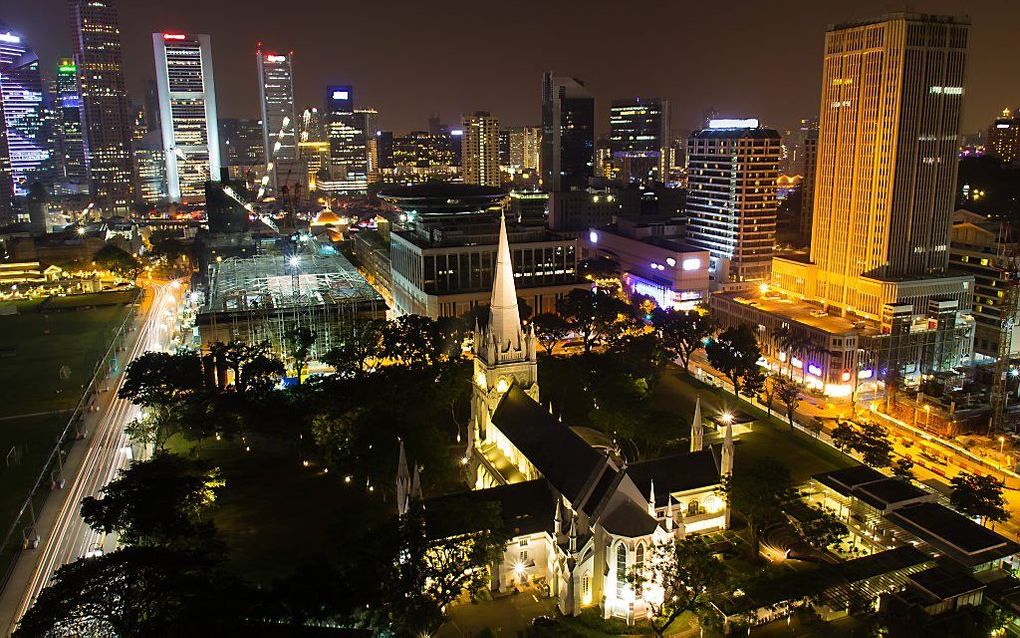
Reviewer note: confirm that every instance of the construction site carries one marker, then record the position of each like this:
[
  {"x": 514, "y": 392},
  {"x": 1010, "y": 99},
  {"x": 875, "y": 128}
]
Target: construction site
[{"x": 267, "y": 297}]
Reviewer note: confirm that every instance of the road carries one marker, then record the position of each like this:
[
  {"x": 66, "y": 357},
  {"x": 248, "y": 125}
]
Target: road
[{"x": 91, "y": 464}]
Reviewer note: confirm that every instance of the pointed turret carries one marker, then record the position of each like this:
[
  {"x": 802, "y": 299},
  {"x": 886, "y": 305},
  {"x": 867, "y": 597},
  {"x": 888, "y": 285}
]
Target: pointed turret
[
  {"x": 403, "y": 482},
  {"x": 697, "y": 428},
  {"x": 504, "y": 317},
  {"x": 669, "y": 512},
  {"x": 415, "y": 493},
  {"x": 727, "y": 451},
  {"x": 558, "y": 520},
  {"x": 651, "y": 499},
  {"x": 573, "y": 535}
]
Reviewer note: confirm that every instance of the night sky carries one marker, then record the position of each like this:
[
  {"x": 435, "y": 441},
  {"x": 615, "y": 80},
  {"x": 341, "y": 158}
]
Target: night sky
[{"x": 412, "y": 59}]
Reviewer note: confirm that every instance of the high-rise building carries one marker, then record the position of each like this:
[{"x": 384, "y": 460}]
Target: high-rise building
[
  {"x": 104, "y": 104},
  {"x": 525, "y": 148},
  {"x": 279, "y": 123},
  {"x": 21, "y": 92},
  {"x": 71, "y": 141},
  {"x": 732, "y": 168},
  {"x": 370, "y": 125},
  {"x": 480, "y": 154},
  {"x": 1004, "y": 136},
  {"x": 809, "y": 152},
  {"x": 313, "y": 125},
  {"x": 241, "y": 144},
  {"x": 638, "y": 138},
  {"x": 187, "y": 108},
  {"x": 888, "y": 138},
  {"x": 568, "y": 133},
  {"x": 347, "y": 144}
]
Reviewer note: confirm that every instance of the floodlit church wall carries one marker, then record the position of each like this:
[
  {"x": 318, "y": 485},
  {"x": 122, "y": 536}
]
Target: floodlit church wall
[{"x": 526, "y": 559}]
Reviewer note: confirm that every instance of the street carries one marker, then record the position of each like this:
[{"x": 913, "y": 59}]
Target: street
[{"x": 90, "y": 465}]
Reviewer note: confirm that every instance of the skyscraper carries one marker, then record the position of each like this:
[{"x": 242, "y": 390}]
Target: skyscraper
[
  {"x": 21, "y": 92},
  {"x": 480, "y": 144},
  {"x": 525, "y": 148},
  {"x": 568, "y": 133},
  {"x": 104, "y": 104},
  {"x": 639, "y": 137},
  {"x": 809, "y": 153},
  {"x": 276, "y": 96},
  {"x": 732, "y": 168},
  {"x": 1004, "y": 136},
  {"x": 72, "y": 143},
  {"x": 892, "y": 91},
  {"x": 347, "y": 145},
  {"x": 187, "y": 113}
]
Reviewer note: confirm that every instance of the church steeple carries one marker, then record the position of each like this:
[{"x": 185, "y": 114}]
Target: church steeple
[
  {"x": 727, "y": 451},
  {"x": 697, "y": 428},
  {"x": 504, "y": 317}
]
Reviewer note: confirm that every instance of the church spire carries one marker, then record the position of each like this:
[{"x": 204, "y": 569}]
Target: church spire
[
  {"x": 504, "y": 317},
  {"x": 697, "y": 429},
  {"x": 403, "y": 482},
  {"x": 727, "y": 451},
  {"x": 651, "y": 499}
]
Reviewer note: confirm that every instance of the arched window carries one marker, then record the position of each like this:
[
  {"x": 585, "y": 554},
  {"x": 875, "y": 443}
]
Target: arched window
[
  {"x": 586, "y": 586},
  {"x": 621, "y": 570},
  {"x": 693, "y": 508},
  {"x": 639, "y": 569}
]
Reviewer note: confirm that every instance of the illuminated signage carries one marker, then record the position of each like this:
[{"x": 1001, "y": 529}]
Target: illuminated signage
[
  {"x": 751, "y": 122},
  {"x": 276, "y": 58},
  {"x": 1002, "y": 126},
  {"x": 10, "y": 38},
  {"x": 173, "y": 36},
  {"x": 67, "y": 68},
  {"x": 670, "y": 262},
  {"x": 846, "y": 375},
  {"x": 815, "y": 370},
  {"x": 866, "y": 374},
  {"x": 692, "y": 263},
  {"x": 457, "y": 132},
  {"x": 341, "y": 95},
  {"x": 593, "y": 237}
]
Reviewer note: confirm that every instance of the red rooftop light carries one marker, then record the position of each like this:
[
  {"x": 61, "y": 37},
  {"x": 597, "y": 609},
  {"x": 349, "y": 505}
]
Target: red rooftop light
[{"x": 173, "y": 36}]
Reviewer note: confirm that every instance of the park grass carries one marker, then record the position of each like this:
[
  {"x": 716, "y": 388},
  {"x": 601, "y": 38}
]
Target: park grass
[
  {"x": 34, "y": 438},
  {"x": 277, "y": 516}
]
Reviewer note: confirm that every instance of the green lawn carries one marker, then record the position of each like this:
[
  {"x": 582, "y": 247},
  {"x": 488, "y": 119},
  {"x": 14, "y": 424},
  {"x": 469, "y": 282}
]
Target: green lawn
[
  {"x": 276, "y": 515},
  {"x": 770, "y": 436}
]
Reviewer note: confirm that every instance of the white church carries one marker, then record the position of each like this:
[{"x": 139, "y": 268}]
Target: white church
[{"x": 581, "y": 521}]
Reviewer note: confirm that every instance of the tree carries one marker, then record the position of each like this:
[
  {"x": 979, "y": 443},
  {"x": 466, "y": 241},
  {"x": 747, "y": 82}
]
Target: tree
[
  {"x": 822, "y": 529},
  {"x": 979, "y": 496},
  {"x": 301, "y": 341},
  {"x": 161, "y": 378},
  {"x": 687, "y": 570},
  {"x": 159, "y": 502},
  {"x": 682, "y": 333},
  {"x": 844, "y": 436},
  {"x": 595, "y": 316},
  {"x": 136, "y": 591},
  {"x": 788, "y": 393},
  {"x": 551, "y": 329},
  {"x": 155, "y": 427},
  {"x": 414, "y": 341},
  {"x": 903, "y": 468},
  {"x": 871, "y": 442},
  {"x": 735, "y": 353},
  {"x": 119, "y": 261},
  {"x": 768, "y": 390},
  {"x": 260, "y": 373},
  {"x": 758, "y": 493},
  {"x": 357, "y": 346}
]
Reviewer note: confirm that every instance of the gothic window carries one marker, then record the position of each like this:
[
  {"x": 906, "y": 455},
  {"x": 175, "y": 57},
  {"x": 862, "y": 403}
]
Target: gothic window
[
  {"x": 639, "y": 567},
  {"x": 693, "y": 508},
  {"x": 621, "y": 570},
  {"x": 586, "y": 585}
]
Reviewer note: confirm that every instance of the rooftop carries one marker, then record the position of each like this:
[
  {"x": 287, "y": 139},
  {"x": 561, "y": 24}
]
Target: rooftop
[
  {"x": 801, "y": 312},
  {"x": 960, "y": 538},
  {"x": 944, "y": 584},
  {"x": 676, "y": 473},
  {"x": 523, "y": 508}
]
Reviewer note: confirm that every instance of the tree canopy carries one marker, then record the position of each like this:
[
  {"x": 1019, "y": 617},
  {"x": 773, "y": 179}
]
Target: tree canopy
[
  {"x": 758, "y": 492},
  {"x": 735, "y": 353},
  {"x": 979, "y": 496}
]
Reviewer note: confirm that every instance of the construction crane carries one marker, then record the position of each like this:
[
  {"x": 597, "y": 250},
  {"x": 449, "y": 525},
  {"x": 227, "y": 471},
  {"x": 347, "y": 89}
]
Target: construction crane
[{"x": 1009, "y": 269}]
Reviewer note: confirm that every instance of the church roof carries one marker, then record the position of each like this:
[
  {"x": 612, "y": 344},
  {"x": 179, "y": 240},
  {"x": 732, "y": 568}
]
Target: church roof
[
  {"x": 676, "y": 473},
  {"x": 524, "y": 508},
  {"x": 553, "y": 448},
  {"x": 628, "y": 519}
]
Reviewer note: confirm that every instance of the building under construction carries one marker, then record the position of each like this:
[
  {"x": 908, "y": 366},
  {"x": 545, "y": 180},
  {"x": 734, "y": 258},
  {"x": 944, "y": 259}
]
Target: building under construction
[{"x": 264, "y": 298}]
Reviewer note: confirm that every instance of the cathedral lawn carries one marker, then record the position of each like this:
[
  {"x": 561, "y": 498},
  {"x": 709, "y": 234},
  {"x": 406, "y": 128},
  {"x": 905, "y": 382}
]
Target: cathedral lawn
[
  {"x": 769, "y": 436},
  {"x": 277, "y": 516}
]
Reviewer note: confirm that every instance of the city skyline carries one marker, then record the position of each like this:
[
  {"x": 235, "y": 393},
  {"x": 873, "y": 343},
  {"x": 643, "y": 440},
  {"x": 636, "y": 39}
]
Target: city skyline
[{"x": 365, "y": 57}]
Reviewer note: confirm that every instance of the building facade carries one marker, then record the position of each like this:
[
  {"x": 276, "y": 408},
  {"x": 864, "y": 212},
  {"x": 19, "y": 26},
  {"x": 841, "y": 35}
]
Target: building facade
[
  {"x": 638, "y": 139},
  {"x": 568, "y": 133},
  {"x": 187, "y": 109},
  {"x": 347, "y": 143},
  {"x": 276, "y": 98},
  {"x": 73, "y": 166},
  {"x": 104, "y": 106},
  {"x": 732, "y": 169},
  {"x": 480, "y": 149},
  {"x": 1004, "y": 136},
  {"x": 21, "y": 92}
]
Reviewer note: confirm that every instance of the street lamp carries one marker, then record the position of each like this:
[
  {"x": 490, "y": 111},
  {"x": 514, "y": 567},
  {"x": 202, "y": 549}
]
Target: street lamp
[{"x": 1002, "y": 441}]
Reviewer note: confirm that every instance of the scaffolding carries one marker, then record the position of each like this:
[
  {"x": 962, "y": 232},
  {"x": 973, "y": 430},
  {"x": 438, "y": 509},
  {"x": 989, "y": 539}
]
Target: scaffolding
[{"x": 266, "y": 297}]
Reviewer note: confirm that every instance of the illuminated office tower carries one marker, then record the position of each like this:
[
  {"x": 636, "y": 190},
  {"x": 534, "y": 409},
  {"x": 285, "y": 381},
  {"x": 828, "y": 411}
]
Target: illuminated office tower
[
  {"x": 370, "y": 125},
  {"x": 104, "y": 105},
  {"x": 480, "y": 154},
  {"x": 276, "y": 95},
  {"x": 568, "y": 133},
  {"x": 72, "y": 143},
  {"x": 732, "y": 168},
  {"x": 22, "y": 96},
  {"x": 1004, "y": 136},
  {"x": 347, "y": 145},
  {"x": 888, "y": 138},
  {"x": 525, "y": 148},
  {"x": 187, "y": 113},
  {"x": 638, "y": 138}
]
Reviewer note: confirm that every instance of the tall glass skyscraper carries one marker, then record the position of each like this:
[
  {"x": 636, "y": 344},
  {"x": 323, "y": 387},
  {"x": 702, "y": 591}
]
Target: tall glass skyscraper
[
  {"x": 638, "y": 138},
  {"x": 348, "y": 149},
  {"x": 276, "y": 95},
  {"x": 187, "y": 112},
  {"x": 568, "y": 133},
  {"x": 72, "y": 143},
  {"x": 104, "y": 104},
  {"x": 22, "y": 96}
]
